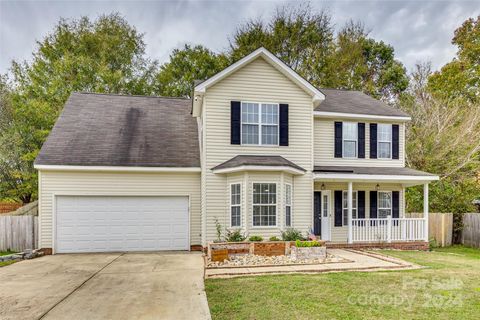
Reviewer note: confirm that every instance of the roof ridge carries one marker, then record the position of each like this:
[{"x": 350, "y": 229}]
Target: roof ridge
[
  {"x": 336, "y": 89},
  {"x": 131, "y": 95}
]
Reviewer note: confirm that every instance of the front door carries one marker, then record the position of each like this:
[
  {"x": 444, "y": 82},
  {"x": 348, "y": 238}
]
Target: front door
[
  {"x": 317, "y": 213},
  {"x": 325, "y": 208}
]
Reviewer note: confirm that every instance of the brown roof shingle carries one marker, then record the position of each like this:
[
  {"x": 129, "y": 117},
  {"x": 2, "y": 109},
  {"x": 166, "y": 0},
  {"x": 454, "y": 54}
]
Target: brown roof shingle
[
  {"x": 118, "y": 130},
  {"x": 347, "y": 101},
  {"x": 257, "y": 160}
]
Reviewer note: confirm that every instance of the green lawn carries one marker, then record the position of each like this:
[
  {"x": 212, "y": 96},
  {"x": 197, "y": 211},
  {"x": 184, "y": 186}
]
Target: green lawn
[
  {"x": 6, "y": 263},
  {"x": 449, "y": 288},
  {"x": 4, "y": 253}
]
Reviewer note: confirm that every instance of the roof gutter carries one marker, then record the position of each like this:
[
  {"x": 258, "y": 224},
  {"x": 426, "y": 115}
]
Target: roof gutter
[
  {"x": 337, "y": 115},
  {"x": 43, "y": 167}
]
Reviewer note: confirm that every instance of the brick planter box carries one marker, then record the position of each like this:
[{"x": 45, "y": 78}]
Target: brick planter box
[{"x": 259, "y": 248}]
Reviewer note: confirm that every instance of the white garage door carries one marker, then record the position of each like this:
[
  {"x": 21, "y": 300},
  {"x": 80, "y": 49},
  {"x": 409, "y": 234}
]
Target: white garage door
[{"x": 107, "y": 224}]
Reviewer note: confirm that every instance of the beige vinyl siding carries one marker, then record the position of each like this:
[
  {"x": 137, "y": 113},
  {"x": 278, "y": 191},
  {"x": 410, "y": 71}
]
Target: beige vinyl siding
[
  {"x": 116, "y": 184},
  {"x": 324, "y": 146},
  {"x": 257, "y": 81},
  {"x": 339, "y": 234}
]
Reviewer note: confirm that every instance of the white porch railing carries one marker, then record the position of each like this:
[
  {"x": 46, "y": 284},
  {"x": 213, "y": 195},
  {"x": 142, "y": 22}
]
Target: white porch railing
[{"x": 388, "y": 230}]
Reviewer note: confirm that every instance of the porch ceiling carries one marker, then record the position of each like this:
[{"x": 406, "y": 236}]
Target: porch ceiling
[{"x": 404, "y": 176}]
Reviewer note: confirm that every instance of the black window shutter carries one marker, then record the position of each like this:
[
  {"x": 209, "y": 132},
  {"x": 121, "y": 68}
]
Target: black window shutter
[
  {"x": 395, "y": 204},
  {"x": 338, "y": 208},
  {"x": 235, "y": 114},
  {"x": 395, "y": 141},
  {"x": 361, "y": 140},
  {"x": 361, "y": 204},
  {"x": 373, "y": 204},
  {"x": 373, "y": 141},
  {"x": 338, "y": 139},
  {"x": 283, "y": 124}
]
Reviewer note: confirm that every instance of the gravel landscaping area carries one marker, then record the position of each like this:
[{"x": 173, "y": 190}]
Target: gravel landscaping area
[{"x": 249, "y": 260}]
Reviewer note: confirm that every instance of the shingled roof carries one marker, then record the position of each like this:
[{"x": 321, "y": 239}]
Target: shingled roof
[
  {"x": 346, "y": 101},
  {"x": 257, "y": 160},
  {"x": 118, "y": 130}
]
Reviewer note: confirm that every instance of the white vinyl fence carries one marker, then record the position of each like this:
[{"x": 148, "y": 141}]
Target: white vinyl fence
[{"x": 18, "y": 233}]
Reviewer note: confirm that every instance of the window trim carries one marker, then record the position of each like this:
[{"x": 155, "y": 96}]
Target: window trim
[
  {"x": 350, "y": 140},
  {"x": 378, "y": 204},
  {"x": 259, "y": 124},
  {"x": 354, "y": 195},
  {"x": 235, "y": 205},
  {"x": 276, "y": 204},
  {"x": 288, "y": 205},
  {"x": 384, "y": 141}
]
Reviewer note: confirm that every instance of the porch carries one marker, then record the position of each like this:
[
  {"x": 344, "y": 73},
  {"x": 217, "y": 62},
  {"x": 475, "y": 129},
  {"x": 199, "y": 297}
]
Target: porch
[{"x": 361, "y": 206}]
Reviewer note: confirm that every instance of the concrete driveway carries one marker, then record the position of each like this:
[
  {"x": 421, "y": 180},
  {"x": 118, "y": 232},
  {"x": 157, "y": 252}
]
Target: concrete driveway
[{"x": 105, "y": 286}]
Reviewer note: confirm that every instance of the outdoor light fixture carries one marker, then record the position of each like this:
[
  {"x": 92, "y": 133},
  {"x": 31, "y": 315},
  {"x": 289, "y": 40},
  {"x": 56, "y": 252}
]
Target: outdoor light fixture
[
  {"x": 377, "y": 187},
  {"x": 323, "y": 186}
]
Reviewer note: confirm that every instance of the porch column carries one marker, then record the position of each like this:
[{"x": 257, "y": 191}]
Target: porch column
[
  {"x": 425, "y": 209},
  {"x": 350, "y": 204}
]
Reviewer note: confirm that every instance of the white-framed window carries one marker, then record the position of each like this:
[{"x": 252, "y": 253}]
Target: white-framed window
[
  {"x": 235, "y": 205},
  {"x": 350, "y": 139},
  {"x": 260, "y": 123},
  {"x": 384, "y": 141},
  {"x": 384, "y": 204},
  {"x": 288, "y": 205},
  {"x": 345, "y": 206},
  {"x": 264, "y": 204}
]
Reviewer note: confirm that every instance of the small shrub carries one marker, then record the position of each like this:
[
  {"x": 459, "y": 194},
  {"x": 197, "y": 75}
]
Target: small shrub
[
  {"x": 255, "y": 238},
  {"x": 432, "y": 244},
  {"x": 307, "y": 244},
  {"x": 292, "y": 234},
  {"x": 218, "y": 228},
  {"x": 234, "y": 236},
  {"x": 274, "y": 238}
]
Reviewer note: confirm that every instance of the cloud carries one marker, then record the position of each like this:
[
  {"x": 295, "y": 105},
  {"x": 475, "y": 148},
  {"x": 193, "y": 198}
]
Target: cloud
[{"x": 419, "y": 31}]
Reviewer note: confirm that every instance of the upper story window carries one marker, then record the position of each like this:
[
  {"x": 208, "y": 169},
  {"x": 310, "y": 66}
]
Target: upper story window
[
  {"x": 350, "y": 139},
  {"x": 260, "y": 123},
  {"x": 384, "y": 141}
]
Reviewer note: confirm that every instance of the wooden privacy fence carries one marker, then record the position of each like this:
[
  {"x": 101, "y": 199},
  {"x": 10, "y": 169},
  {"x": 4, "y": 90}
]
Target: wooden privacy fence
[
  {"x": 471, "y": 230},
  {"x": 440, "y": 227},
  {"x": 18, "y": 233}
]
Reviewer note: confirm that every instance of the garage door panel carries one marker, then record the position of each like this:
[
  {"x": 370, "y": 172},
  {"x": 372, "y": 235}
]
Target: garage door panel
[{"x": 102, "y": 224}]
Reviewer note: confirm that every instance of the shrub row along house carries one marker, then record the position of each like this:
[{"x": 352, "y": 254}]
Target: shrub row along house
[{"x": 257, "y": 148}]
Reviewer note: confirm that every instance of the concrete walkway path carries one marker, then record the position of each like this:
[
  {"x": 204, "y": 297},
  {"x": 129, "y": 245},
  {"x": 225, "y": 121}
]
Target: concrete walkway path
[
  {"x": 359, "y": 261},
  {"x": 167, "y": 285}
]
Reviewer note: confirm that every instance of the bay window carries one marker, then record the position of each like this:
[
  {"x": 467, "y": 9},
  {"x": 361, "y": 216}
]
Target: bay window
[
  {"x": 264, "y": 204},
  {"x": 235, "y": 205},
  {"x": 288, "y": 205}
]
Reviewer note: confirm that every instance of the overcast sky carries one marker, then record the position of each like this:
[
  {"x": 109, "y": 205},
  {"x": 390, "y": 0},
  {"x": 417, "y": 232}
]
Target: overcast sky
[{"x": 418, "y": 30}]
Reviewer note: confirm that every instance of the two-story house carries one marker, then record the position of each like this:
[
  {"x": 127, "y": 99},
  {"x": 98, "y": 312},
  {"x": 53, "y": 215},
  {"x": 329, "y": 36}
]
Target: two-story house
[{"x": 257, "y": 148}]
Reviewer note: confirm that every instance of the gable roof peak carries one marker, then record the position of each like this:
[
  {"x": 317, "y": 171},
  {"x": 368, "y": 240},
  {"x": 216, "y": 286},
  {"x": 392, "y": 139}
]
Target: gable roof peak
[{"x": 199, "y": 89}]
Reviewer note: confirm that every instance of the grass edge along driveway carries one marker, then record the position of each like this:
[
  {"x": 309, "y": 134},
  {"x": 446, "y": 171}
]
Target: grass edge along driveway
[{"x": 448, "y": 288}]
